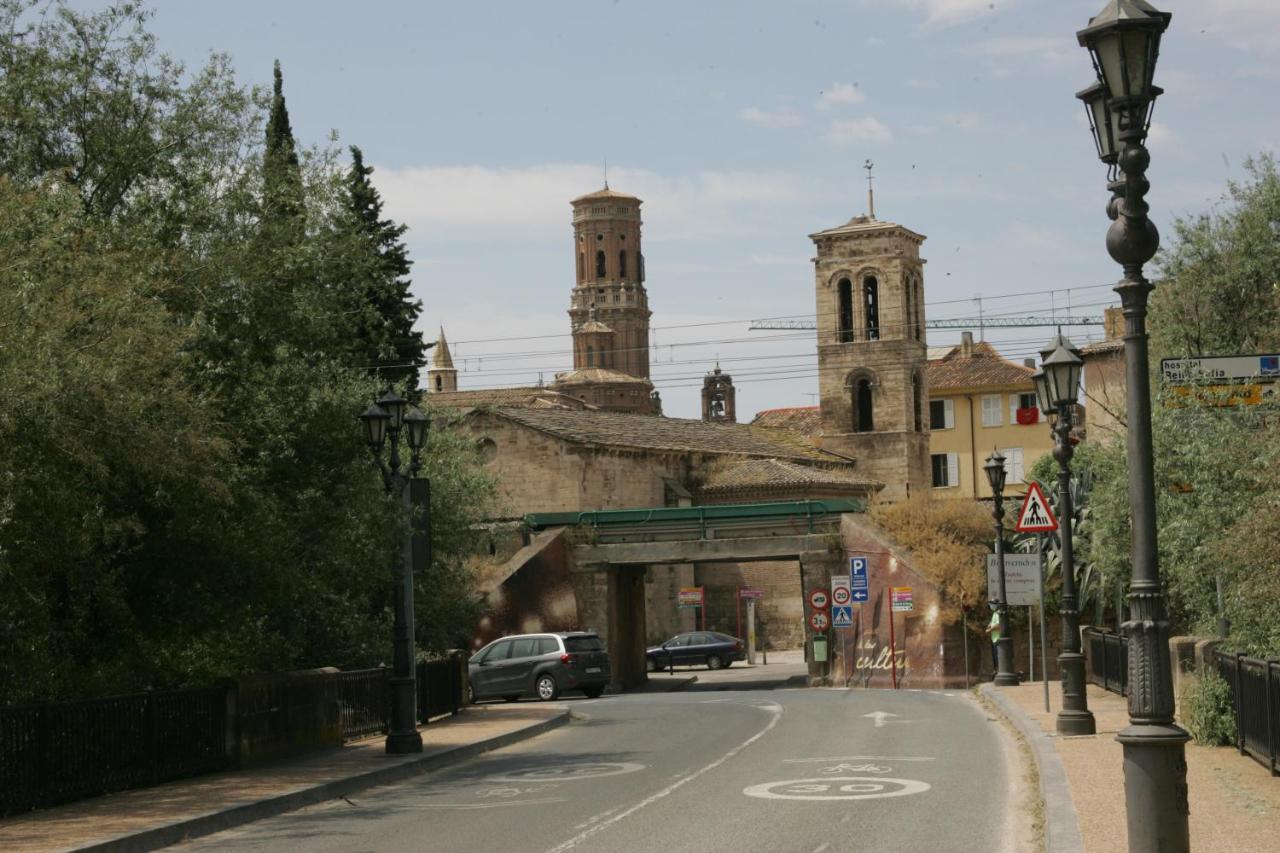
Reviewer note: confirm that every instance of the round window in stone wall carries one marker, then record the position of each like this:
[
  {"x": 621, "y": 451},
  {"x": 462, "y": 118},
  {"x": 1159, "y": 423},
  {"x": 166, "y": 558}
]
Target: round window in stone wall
[{"x": 487, "y": 448}]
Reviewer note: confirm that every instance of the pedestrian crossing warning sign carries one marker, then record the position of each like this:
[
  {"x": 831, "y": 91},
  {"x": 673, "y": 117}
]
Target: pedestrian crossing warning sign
[{"x": 1036, "y": 517}]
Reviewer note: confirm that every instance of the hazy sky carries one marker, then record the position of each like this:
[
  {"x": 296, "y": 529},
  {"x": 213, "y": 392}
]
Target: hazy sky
[{"x": 743, "y": 126}]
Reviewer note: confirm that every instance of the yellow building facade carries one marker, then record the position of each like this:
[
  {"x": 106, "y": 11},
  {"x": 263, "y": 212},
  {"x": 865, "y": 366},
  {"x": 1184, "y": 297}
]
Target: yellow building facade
[{"x": 980, "y": 401}]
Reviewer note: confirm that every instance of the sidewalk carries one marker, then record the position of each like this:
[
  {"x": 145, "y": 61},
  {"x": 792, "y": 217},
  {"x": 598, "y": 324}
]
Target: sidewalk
[
  {"x": 147, "y": 818},
  {"x": 1235, "y": 804}
]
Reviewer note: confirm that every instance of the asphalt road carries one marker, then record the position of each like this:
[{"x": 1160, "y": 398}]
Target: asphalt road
[{"x": 706, "y": 770}]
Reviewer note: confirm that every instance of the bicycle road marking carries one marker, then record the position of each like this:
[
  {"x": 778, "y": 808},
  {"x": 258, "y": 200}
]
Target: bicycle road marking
[{"x": 568, "y": 772}]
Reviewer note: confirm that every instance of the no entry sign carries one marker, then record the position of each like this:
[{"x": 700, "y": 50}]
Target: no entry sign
[{"x": 818, "y": 599}]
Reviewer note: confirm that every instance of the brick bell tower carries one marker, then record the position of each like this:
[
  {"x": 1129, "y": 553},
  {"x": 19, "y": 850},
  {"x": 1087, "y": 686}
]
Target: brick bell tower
[
  {"x": 869, "y": 282},
  {"x": 609, "y": 293}
]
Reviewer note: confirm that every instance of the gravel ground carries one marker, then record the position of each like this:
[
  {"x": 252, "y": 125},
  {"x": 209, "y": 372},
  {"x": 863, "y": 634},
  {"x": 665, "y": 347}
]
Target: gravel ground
[{"x": 1235, "y": 804}]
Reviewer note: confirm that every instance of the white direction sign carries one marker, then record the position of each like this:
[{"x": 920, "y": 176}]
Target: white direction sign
[
  {"x": 841, "y": 594},
  {"x": 842, "y": 616},
  {"x": 1021, "y": 579},
  {"x": 1228, "y": 368}
]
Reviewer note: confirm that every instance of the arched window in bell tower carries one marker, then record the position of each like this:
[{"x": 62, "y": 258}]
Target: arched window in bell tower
[
  {"x": 908, "y": 322},
  {"x": 439, "y": 383},
  {"x": 622, "y": 264},
  {"x": 582, "y": 267},
  {"x": 591, "y": 356},
  {"x": 863, "y": 415},
  {"x": 845, "y": 290},
  {"x": 871, "y": 306},
  {"x": 917, "y": 402},
  {"x": 600, "y": 263}
]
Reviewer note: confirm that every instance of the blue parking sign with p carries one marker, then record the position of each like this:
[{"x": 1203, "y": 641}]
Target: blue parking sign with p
[{"x": 858, "y": 579}]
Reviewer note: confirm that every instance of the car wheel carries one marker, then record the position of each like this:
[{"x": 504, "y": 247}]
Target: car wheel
[
  {"x": 651, "y": 665},
  {"x": 714, "y": 661},
  {"x": 471, "y": 695},
  {"x": 593, "y": 692},
  {"x": 546, "y": 687},
  {"x": 512, "y": 698}
]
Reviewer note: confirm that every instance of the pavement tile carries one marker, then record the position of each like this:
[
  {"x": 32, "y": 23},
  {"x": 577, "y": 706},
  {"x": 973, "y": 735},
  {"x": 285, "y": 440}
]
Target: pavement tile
[
  {"x": 1235, "y": 803},
  {"x": 229, "y": 798}
]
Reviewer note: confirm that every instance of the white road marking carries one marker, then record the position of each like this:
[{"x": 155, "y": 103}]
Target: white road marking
[
  {"x": 846, "y": 767},
  {"x": 826, "y": 845},
  {"x": 859, "y": 758},
  {"x": 883, "y": 718},
  {"x": 568, "y": 772},
  {"x": 775, "y": 709},
  {"x": 495, "y": 805},
  {"x": 844, "y": 788}
]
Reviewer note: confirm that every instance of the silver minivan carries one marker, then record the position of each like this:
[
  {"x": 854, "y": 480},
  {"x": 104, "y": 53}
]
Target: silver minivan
[{"x": 539, "y": 665}]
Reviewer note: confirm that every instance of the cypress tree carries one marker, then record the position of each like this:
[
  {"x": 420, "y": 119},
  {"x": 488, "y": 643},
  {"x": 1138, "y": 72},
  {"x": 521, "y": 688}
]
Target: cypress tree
[
  {"x": 282, "y": 174},
  {"x": 386, "y": 340}
]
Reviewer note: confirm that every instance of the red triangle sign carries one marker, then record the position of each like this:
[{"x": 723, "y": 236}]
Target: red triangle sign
[{"x": 1036, "y": 517}]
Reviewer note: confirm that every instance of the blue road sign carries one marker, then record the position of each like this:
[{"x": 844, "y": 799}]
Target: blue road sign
[
  {"x": 859, "y": 596},
  {"x": 857, "y": 573},
  {"x": 842, "y": 617}
]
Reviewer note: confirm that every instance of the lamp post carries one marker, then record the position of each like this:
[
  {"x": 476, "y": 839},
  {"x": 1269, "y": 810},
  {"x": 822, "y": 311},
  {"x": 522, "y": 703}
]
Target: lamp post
[
  {"x": 1124, "y": 43},
  {"x": 388, "y": 417},
  {"x": 1057, "y": 386},
  {"x": 1005, "y": 676}
]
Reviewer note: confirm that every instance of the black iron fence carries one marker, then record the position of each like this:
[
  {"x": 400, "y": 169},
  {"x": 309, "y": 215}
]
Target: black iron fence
[
  {"x": 1108, "y": 660},
  {"x": 1255, "y": 692},
  {"x": 56, "y": 752}
]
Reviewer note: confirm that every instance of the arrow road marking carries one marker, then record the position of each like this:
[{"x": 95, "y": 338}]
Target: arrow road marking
[{"x": 882, "y": 718}]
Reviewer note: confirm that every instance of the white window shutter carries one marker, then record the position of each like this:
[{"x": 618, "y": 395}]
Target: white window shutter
[
  {"x": 1013, "y": 409},
  {"x": 949, "y": 413},
  {"x": 953, "y": 469}
]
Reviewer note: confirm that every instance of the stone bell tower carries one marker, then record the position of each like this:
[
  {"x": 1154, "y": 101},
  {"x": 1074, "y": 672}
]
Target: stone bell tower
[
  {"x": 442, "y": 376},
  {"x": 718, "y": 397},
  {"x": 869, "y": 282},
  {"x": 610, "y": 280}
]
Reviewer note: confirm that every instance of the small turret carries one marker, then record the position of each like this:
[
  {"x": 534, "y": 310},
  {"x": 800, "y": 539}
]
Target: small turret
[{"x": 442, "y": 376}]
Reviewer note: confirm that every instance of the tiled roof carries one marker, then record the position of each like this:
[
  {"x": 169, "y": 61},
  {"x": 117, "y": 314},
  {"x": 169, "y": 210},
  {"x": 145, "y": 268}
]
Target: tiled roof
[
  {"x": 804, "y": 420},
  {"x": 1109, "y": 345},
  {"x": 766, "y": 474},
  {"x": 654, "y": 432},
  {"x": 597, "y": 375},
  {"x": 860, "y": 224},
  {"x": 604, "y": 193},
  {"x": 985, "y": 368},
  {"x": 489, "y": 397}
]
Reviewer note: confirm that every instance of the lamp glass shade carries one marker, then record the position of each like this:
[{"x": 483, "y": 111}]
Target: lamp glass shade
[
  {"x": 416, "y": 425},
  {"x": 1042, "y": 393},
  {"x": 1124, "y": 41},
  {"x": 394, "y": 405},
  {"x": 1062, "y": 374},
  {"x": 995, "y": 471},
  {"x": 375, "y": 425},
  {"x": 1102, "y": 121}
]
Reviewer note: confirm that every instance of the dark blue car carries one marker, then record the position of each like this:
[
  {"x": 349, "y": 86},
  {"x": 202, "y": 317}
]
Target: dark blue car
[{"x": 696, "y": 648}]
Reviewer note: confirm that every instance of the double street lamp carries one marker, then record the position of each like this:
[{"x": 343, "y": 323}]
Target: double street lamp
[
  {"x": 1124, "y": 43},
  {"x": 389, "y": 417},
  {"x": 994, "y": 468},
  {"x": 1057, "y": 385}
]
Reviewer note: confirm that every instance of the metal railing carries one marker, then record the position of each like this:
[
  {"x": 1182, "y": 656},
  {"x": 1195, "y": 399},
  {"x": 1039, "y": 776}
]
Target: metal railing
[
  {"x": 55, "y": 752},
  {"x": 52, "y": 753},
  {"x": 1255, "y": 693},
  {"x": 1108, "y": 660},
  {"x": 441, "y": 685}
]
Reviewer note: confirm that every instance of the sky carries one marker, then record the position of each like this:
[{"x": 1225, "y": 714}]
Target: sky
[{"x": 744, "y": 127}]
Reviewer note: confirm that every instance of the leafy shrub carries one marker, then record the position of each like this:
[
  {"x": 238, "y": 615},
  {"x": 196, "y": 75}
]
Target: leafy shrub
[{"x": 1210, "y": 716}]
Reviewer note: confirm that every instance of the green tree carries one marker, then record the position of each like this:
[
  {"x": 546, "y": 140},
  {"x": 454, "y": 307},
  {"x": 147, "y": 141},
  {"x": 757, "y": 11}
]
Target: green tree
[
  {"x": 385, "y": 340},
  {"x": 282, "y": 190}
]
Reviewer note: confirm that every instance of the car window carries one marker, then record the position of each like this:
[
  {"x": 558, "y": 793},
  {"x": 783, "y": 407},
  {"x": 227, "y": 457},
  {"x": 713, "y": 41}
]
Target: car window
[
  {"x": 547, "y": 645},
  {"x": 683, "y": 640},
  {"x": 524, "y": 648},
  {"x": 583, "y": 644},
  {"x": 704, "y": 639},
  {"x": 498, "y": 651}
]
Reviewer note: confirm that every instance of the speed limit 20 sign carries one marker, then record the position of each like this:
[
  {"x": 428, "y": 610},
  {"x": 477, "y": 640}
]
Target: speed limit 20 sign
[
  {"x": 818, "y": 599},
  {"x": 840, "y": 592}
]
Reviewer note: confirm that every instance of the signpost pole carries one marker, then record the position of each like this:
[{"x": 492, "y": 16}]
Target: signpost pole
[
  {"x": 751, "y": 631},
  {"x": 738, "y": 611},
  {"x": 964, "y": 635},
  {"x": 893, "y": 646},
  {"x": 1031, "y": 645},
  {"x": 1044, "y": 646}
]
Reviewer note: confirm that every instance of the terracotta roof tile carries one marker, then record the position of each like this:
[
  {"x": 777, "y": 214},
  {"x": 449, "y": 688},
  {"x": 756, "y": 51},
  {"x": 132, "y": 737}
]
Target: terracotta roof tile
[
  {"x": 489, "y": 397},
  {"x": 597, "y": 375},
  {"x": 984, "y": 368},
  {"x": 804, "y": 420},
  {"x": 654, "y": 432},
  {"x": 763, "y": 474}
]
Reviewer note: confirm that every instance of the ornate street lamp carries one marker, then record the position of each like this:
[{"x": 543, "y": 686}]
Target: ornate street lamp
[
  {"x": 1124, "y": 43},
  {"x": 1005, "y": 676},
  {"x": 384, "y": 420},
  {"x": 1057, "y": 387}
]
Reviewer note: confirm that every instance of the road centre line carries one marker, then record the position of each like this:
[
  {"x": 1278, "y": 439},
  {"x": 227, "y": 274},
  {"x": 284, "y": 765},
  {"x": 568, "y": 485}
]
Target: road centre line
[
  {"x": 858, "y": 758},
  {"x": 775, "y": 710}
]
